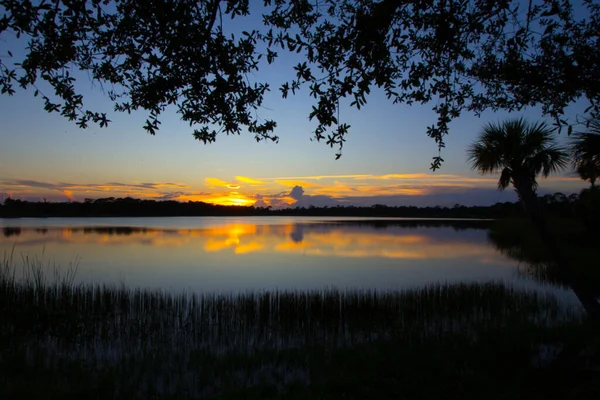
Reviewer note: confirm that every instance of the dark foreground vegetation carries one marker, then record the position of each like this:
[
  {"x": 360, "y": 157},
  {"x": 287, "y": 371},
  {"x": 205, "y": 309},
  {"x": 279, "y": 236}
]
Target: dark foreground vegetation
[
  {"x": 557, "y": 204},
  {"x": 66, "y": 341},
  {"x": 518, "y": 239}
]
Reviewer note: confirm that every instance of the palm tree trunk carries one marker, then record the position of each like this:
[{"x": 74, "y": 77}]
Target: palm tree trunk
[{"x": 585, "y": 295}]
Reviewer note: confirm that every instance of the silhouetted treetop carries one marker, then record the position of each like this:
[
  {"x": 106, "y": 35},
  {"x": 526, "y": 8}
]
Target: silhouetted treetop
[
  {"x": 585, "y": 148},
  {"x": 459, "y": 55}
]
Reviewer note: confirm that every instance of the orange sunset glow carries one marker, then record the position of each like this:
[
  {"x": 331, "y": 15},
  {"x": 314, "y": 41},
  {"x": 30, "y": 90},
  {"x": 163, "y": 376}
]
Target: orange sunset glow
[{"x": 281, "y": 192}]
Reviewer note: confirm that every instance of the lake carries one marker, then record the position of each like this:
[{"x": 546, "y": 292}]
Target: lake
[{"x": 225, "y": 254}]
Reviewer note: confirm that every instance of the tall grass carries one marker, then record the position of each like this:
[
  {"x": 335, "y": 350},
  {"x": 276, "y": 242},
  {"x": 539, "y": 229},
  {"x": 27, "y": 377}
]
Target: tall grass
[{"x": 157, "y": 342}]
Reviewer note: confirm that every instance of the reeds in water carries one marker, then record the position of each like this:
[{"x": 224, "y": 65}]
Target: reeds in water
[{"x": 154, "y": 341}]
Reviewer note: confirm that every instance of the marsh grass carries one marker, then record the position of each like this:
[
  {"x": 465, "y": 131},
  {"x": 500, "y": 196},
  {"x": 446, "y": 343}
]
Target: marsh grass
[{"x": 71, "y": 339}]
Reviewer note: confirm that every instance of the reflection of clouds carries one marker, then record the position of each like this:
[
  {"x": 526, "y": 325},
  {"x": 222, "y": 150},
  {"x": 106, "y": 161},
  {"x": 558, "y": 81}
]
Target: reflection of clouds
[
  {"x": 311, "y": 239},
  {"x": 249, "y": 247},
  {"x": 346, "y": 244},
  {"x": 297, "y": 234}
]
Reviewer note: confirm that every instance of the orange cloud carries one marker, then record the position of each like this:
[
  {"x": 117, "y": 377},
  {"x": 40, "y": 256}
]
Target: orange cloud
[
  {"x": 294, "y": 182},
  {"x": 337, "y": 191},
  {"x": 215, "y": 182},
  {"x": 249, "y": 181}
]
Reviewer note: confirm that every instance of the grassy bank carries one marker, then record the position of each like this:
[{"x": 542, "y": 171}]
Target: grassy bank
[{"x": 60, "y": 340}]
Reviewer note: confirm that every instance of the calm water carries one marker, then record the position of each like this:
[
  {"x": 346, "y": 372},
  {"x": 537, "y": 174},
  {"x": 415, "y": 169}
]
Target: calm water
[{"x": 256, "y": 253}]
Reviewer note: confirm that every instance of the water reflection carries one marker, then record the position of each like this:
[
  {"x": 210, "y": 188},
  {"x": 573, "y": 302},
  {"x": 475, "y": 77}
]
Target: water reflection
[
  {"x": 535, "y": 261},
  {"x": 227, "y": 255},
  {"x": 334, "y": 239},
  {"x": 8, "y": 232}
]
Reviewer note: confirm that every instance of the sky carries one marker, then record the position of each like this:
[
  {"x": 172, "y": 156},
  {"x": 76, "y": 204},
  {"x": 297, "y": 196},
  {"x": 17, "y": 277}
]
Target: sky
[{"x": 385, "y": 160}]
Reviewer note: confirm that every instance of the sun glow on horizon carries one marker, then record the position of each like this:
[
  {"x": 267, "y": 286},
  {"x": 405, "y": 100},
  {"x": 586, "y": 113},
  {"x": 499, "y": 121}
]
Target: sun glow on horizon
[
  {"x": 279, "y": 192},
  {"x": 220, "y": 199}
]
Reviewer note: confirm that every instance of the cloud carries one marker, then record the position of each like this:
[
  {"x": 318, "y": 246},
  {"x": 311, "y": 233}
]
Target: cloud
[
  {"x": 300, "y": 191},
  {"x": 260, "y": 201},
  {"x": 31, "y": 183},
  {"x": 165, "y": 185},
  {"x": 170, "y": 196},
  {"x": 295, "y": 182},
  {"x": 437, "y": 197},
  {"x": 216, "y": 182},
  {"x": 274, "y": 200},
  {"x": 56, "y": 191},
  {"x": 465, "y": 196},
  {"x": 297, "y": 193},
  {"x": 61, "y": 186},
  {"x": 303, "y": 200},
  {"x": 250, "y": 181},
  {"x": 279, "y": 203}
]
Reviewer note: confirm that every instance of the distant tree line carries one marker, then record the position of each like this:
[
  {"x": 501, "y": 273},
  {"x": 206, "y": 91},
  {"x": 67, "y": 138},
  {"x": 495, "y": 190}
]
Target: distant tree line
[{"x": 557, "y": 204}]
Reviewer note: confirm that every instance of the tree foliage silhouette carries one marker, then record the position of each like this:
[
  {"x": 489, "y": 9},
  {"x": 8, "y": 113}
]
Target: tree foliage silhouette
[
  {"x": 458, "y": 55},
  {"x": 521, "y": 151},
  {"x": 585, "y": 147}
]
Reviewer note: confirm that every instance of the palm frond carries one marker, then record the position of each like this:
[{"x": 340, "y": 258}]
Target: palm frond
[
  {"x": 585, "y": 150},
  {"x": 551, "y": 160},
  {"x": 537, "y": 136},
  {"x": 518, "y": 150},
  {"x": 585, "y": 147},
  {"x": 505, "y": 177},
  {"x": 488, "y": 154}
]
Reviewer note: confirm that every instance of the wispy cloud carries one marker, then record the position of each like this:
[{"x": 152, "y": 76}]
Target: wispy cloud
[
  {"x": 319, "y": 177},
  {"x": 250, "y": 181},
  {"x": 295, "y": 182},
  {"x": 216, "y": 182},
  {"x": 59, "y": 190}
]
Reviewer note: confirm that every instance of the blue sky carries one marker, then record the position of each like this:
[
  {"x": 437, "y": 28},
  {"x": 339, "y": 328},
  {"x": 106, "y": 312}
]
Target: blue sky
[{"x": 386, "y": 158}]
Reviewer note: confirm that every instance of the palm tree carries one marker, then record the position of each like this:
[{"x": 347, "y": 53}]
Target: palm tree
[
  {"x": 521, "y": 151},
  {"x": 585, "y": 147}
]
